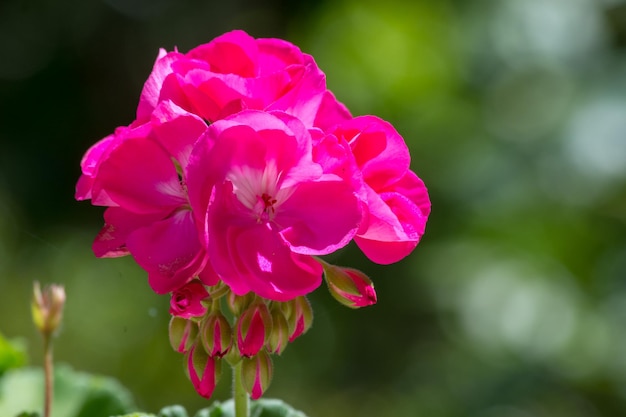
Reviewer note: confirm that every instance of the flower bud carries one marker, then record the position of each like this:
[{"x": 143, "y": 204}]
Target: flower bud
[
  {"x": 253, "y": 329},
  {"x": 349, "y": 286},
  {"x": 182, "y": 333},
  {"x": 238, "y": 303},
  {"x": 218, "y": 290},
  {"x": 186, "y": 300},
  {"x": 216, "y": 334},
  {"x": 256, "y": 374},
  {"x": 301, "y": 317},
  {"x": 203, "y": 370},
  {"x": 47, "y": 307},
  {"x": 279, "y": 338}
]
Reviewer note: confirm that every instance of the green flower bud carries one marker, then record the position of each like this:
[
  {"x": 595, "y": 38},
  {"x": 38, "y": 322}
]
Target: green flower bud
[
  {"x": 254, "y": 327},
  {"x": 216, "y": 334},
  {"x": 256, "y": 374},
  {"x": 47, "y": 307},
  {"x": 301, "y": 318},
  {"x": 349, "y": 286},
  {"x": 203, "y": 370},
  {"x": 279, "y": 338},
  {"x": 183, "y": 333},
  {"x": 238, "y": 303}
]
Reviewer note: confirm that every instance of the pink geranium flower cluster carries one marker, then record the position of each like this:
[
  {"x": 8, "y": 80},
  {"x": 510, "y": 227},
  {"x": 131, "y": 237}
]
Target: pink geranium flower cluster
[{"x": 239, "y": 171}]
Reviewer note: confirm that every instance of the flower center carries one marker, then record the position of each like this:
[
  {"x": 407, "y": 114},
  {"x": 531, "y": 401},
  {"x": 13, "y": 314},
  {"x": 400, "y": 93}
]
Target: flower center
[
  {"x": 269, "y": 203},
  {"x": 266, "y": 205}
]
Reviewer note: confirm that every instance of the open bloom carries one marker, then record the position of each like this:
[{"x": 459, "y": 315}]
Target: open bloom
[
  {"x": 235, "y": 72},
  {"x": 138, "y": 172},
  {"x": 268, "y": 205},
  {"x": 396, "y": 201}
]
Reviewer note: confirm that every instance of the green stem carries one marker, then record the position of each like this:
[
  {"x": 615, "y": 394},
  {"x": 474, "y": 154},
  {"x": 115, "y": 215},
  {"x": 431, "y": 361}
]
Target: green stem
[
  {"x": 48, "y": 377},
  {"x": 240, "y": 395}
]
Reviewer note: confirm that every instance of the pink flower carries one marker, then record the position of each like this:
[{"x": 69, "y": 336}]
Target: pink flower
[
  {"x": 186, "y": 300},
  {"x": 90, "y": 164},
  {"x": 397, "y": 203},
  {"x": 234, "y": 72},
  {"x": 271, "y": 207},
  {"x": 149, "y": 215}
]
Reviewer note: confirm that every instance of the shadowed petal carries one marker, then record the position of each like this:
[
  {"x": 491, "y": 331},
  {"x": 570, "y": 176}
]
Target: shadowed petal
[{"x": 169, "y": 250}]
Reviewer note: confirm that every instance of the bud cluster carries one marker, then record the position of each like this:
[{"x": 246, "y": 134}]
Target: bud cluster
[{"x": 243, "y": 330}]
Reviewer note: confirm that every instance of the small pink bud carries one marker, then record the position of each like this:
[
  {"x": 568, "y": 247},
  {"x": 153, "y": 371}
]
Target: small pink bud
[
  {"x": 186, "y": 300},
  {"x": 301, "y": 317},
  {"x": 216, "y": 334},
  {"x": 47, "y": 307},
  {"x": 279, "y": 338},
  {"x": 253, "y": 329},
  {"x": 257, "y": 374},
  {"x": 203, "y": 370},
  {"x": 349, "y": 286},
  {"x": 182, "y": 333}
]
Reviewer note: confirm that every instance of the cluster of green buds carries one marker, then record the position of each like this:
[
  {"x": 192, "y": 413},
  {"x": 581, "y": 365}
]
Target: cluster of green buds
[{"x": 241, "y": 330}]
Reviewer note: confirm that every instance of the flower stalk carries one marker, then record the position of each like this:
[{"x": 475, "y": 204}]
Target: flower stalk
[
  {"x": 47, "y": 308},
  {"x": 240, "y": 395}
]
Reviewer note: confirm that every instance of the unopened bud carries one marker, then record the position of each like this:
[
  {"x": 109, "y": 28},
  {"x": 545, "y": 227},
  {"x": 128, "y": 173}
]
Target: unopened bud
[
  {"x": 257, "y": 374},
  {"x": 47, "y": 307},
  {"x": 279, "y": 338},
  {"x": 182, "y": 333},
  {"x": 301, "y": 317},
  {"x": 204, "y": 371},
  {"x": 238, "y": 303},
  {"x": 186, "y": 301},
  {"x": 253, "y": 329},
  {"x": 349, "y": 286},
  {"x": 216, "y": 334}
]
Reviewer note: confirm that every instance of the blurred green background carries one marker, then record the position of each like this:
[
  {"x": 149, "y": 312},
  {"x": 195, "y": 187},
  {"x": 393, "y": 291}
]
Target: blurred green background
[{"x": 513, "y": 305}]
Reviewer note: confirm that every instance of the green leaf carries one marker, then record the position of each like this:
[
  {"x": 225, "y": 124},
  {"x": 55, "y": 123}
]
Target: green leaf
[
  {"x": 173, "y": 411},
  {"x": 12, "y": 354},
  {"x": 137, "y": 415},
  {"x": 76, "y": 394},
  {"x": 265, "y": 407}
]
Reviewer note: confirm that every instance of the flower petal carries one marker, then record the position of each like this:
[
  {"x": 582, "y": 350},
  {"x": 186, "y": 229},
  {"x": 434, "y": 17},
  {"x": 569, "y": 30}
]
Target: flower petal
[
  {"x": 118, "y": 224},
  {"x": 253, "y": 257},
  {"x": 380, "y": 151},
  {"x": 177, "y": 130},
  {"x": 319, "y": 217},
  {"x": 169, "y": 251},
  {"x": 152, "y": 89},
  {"x": 139, "y": 176}
]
